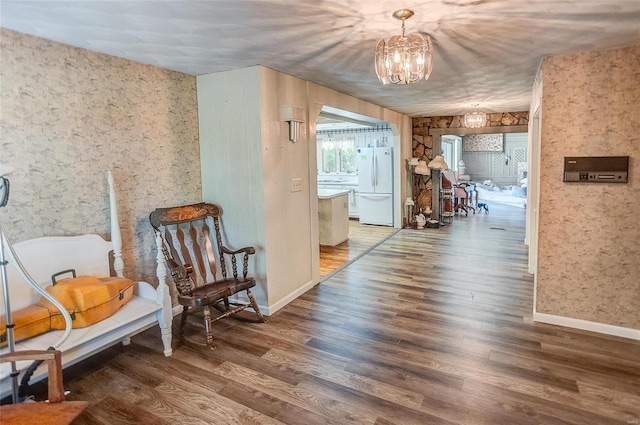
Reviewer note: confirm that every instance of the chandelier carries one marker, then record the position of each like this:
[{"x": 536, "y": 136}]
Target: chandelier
[
  {"x": 475, "y": 119},
  {"x": 404, "y": 59}
]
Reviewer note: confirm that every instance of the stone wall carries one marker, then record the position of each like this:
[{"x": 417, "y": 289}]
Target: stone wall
[{"x": 422, "y": 143}]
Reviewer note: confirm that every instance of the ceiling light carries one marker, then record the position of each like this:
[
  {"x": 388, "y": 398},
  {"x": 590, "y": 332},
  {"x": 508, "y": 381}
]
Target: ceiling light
[
  {"x": 475, "y": 119},
  {"x": 404, "y": 59}
]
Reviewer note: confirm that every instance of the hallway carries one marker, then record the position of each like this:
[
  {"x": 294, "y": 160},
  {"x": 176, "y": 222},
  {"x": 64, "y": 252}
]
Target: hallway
[{"x": 432, "y": 326}]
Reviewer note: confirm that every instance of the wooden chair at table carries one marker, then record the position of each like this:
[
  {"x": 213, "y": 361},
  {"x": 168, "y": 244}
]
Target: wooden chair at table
[
  {"x": 190, "y": 246},
  {"x": 57, "y": 411},
  {"x": 460, "y": 193},
  {"x": 462, "y": 197}
]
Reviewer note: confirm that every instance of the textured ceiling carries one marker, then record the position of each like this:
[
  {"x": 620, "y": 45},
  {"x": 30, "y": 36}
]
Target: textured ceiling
[{"x": 486, "y": 52}]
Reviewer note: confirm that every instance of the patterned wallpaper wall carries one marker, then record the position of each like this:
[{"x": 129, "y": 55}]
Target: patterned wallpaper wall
[
  {"x": 483, "y": 143},
  {"x": 588, "y": 263},
  {"x": 67, "y": 116}
]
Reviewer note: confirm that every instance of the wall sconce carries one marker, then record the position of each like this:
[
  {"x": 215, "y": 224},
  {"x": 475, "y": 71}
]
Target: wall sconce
[{"x": 295, "y": 117}]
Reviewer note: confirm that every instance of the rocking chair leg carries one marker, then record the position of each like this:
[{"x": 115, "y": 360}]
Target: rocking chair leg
[
  {"x": 254, "y": 305},
  {"x": 183, "y": 321},
  {"x": 208, "y": 324}
]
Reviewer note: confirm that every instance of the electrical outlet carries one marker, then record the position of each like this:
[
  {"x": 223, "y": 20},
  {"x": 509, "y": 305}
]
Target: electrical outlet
[{"x": 296, "y": 185}]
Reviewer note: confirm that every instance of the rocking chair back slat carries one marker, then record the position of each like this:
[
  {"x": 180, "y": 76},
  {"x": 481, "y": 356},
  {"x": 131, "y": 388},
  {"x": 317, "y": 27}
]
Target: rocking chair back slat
[
  {"x": 223, "y": 264},
  {"x": 185, "y": 254},
  {"x": 191, "y": 245},
  {"x": 209, "y": 249},
  {"x": 197, "y": 260}
]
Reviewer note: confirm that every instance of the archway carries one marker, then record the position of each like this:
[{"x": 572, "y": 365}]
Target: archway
[{"x": 343, "y": 140}]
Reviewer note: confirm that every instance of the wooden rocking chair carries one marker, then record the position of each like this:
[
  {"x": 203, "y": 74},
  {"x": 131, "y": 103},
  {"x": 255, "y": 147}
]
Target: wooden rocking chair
[{"x": 184, "y": 236}]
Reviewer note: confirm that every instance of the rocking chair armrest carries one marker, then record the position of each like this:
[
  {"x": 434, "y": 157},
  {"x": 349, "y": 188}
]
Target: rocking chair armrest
[{"x": 249, "y": 250}]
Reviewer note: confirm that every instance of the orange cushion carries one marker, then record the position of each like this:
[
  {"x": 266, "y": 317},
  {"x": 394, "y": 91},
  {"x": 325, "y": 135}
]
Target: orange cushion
[
  {"x": 29, "y": 321},
  {"x": 88, "y": 299}
]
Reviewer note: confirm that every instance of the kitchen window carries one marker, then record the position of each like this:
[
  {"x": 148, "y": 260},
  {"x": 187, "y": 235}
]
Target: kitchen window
[{"x": 337, "y": 155}]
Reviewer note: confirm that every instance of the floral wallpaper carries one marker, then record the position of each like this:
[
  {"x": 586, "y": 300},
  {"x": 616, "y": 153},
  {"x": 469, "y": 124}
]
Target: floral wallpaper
[
  {"x": 67, "y": 116},
  {"x": 588, "y": 250}
]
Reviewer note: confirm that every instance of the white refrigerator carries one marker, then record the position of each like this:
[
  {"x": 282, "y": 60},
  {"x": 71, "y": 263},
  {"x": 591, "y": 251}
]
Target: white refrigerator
[{"x": 375, "y": 184}]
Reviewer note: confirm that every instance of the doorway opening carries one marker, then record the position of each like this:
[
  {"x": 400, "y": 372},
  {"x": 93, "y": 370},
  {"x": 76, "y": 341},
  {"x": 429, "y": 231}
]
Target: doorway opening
[
  {"x": 345, "y": 147},
  {"x": 495, "y": 164},
  {"x": 493, "y": 160}
]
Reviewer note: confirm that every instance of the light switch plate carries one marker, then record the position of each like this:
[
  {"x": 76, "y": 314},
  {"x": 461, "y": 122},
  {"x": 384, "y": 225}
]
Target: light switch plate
[{"x": 296, "y": 185}]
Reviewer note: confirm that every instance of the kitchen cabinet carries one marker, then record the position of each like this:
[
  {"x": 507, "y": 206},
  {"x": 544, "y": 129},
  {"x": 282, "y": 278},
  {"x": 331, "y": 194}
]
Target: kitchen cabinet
[
  {"x": 333, "y": 216},
  {"x": 351, "y": 188}
]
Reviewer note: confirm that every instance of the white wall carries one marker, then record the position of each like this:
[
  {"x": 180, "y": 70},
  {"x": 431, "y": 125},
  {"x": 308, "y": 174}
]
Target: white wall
[
  {"x": 287, "y": 220},
  {"x": 248, "y": 165},
  {"x": 231, "y": 160}
]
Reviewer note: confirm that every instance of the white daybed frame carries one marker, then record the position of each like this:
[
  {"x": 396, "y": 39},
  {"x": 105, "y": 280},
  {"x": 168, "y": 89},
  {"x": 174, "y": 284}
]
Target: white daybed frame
[{"x": 88, "y": 255}]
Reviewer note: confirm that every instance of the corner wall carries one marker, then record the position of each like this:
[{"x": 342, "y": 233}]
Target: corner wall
[{"x": 588, "y": 250}]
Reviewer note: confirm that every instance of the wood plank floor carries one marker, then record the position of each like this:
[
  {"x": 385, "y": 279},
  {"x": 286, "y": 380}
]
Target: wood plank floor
[
  {"x": 431, "y": 327},
  {"x": 362, "y": 237}
]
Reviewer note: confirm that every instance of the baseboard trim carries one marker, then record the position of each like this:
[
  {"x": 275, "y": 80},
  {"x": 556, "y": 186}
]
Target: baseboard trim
[
  {"x": 286, "y": 300},
  {"x": 586, "y": 325}
]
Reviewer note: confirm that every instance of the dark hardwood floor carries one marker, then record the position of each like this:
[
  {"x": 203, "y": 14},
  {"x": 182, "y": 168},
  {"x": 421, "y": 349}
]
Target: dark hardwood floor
[{"x": 432, "y": 326}]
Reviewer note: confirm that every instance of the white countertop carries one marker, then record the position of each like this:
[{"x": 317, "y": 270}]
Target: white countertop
[
  {"x": 337, "y": 180},
  {"x": 331, "y": 193}
]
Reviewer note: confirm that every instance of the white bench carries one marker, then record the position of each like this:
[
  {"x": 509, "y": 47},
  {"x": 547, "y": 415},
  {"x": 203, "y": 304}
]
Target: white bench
[{"x": 88, "y": 255}]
